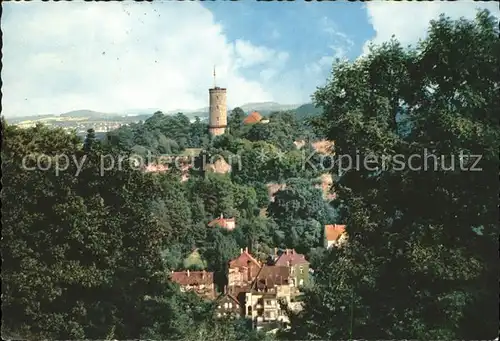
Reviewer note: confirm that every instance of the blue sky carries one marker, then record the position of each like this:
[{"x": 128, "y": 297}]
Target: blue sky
[
  {"x": 298, "y": 27},
  {"x": 117, "y": 56}
]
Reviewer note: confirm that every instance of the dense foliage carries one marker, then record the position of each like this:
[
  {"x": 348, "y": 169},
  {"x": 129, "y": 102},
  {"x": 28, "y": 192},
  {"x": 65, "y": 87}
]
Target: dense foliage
[
  {"x": 422, "y": 262},
  {"x": 160, "y": 134},
  {"x": 87, "y": 255},
  {"x": 87, "y": 250}
]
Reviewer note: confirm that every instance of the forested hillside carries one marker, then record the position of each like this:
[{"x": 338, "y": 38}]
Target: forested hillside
[
  {"x": 307, "y": 110},
  {"x": 88, "y": 249}
]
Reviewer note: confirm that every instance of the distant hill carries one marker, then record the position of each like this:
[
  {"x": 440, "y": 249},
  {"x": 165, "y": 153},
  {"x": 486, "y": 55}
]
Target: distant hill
[
  {"x": 131, "y": 115},
  {"x": 307, "y": 110},
  {"x": 86, "y": 113},
  {"x": 268, "y": 106},
  {"x": 265, "y": 108}
]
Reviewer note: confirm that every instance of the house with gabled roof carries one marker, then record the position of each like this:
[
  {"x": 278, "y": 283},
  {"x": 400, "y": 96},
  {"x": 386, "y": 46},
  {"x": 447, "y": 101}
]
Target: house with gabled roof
[
  {"x": 252, "y": 118},
  {"x": 225, "y": 223},
  {"x": 243, "y": 269},
  {"x": 270, "y": 288},
  {"x": 200, "y": 282},
  {"x": 299, "y": 266},
  {"x": 335, "y": 235},
  {"x": 261, "y": 289},
  {"x": 228, "y": 306}
]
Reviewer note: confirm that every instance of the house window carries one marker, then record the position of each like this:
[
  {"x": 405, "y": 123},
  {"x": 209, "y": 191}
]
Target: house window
[
  {"x": 267, "y": 314},
  {"x": 301, "y": 269},
  {"x": 301, "y": 282},
  {"x": 230, "y": 306},
  {"x": 218, "y": 307},
  {"x": 226, "y": 305},
  {"x": 219, "y": 315},
  {"x": 268, "y": 302}
]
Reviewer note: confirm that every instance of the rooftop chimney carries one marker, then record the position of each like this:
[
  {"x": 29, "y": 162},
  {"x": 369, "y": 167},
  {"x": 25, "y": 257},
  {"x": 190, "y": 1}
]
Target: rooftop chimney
[
  {"x": 275, "y": 251},
  {"x": 241, "y": 251},
  {"x": 188, "y": 273},
  {"x": 292, "y": 251},
  {"x": 246, "y": 249}
]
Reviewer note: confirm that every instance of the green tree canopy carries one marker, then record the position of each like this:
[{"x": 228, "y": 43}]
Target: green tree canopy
[
  {"x": 235, "y": 122},
  {"x": 421, "y": 262},
  {"x": 80, "y": 248}
]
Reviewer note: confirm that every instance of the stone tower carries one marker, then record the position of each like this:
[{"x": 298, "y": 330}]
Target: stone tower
[{"x": 218, "y": 110}]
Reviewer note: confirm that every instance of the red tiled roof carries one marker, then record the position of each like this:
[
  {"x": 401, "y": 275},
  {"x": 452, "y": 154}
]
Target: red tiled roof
[
  {"x": 192, "y": 277},
  {"x": 221, "y": 221},
  {"x": 290, "y": 258},
  {"x": 253, "y": 117},
  {"x": 333, "y": 232},
  {"x": 243, "y": 259}
]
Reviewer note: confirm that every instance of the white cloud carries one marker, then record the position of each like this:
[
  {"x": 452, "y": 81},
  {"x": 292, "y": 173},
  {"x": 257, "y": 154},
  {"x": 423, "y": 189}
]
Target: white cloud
[
  {"x": 341, "y": 44},
  {"x": 249, "y": 55},
  {"x": 116, "y": 56},
  {"x": 409, "y": 21},
  {"x": 320, "y": 65}
]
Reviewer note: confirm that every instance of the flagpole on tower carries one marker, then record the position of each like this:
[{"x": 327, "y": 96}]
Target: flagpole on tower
[{"x": 214, "y": 76}]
